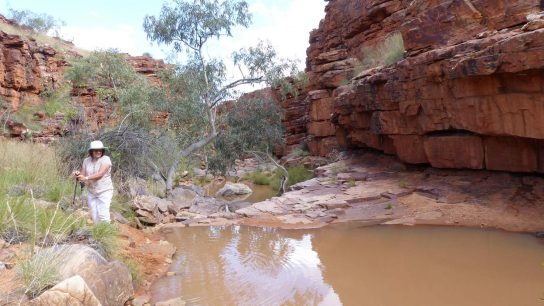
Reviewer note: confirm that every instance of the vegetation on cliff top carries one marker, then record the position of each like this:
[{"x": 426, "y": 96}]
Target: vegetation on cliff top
[{"x": 41, "y": 27}]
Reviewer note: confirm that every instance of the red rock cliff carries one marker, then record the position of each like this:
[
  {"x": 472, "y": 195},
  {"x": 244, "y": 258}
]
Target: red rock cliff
[
  {"x": 28, "y": 69},
  {"x": 469, "y": 92}
]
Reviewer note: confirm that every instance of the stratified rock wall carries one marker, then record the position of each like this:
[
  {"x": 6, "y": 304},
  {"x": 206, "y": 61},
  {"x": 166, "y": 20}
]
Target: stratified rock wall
[
  {"x": 26, "y": 70},
  {"x": 469, "y": 92}
]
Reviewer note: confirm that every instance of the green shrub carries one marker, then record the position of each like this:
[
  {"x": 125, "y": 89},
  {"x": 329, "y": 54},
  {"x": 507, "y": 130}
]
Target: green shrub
[
  {"x": 40, "y": 23},
  {"x": 55, "y": 225},
  {"x": 261, "y": 180},
  {"x": 20, "y": 220},
  {"x": 40, "y": 272},
  {"x": 297, "y": 174},
  {"x": 16, "y": 220},
  {"x": 121, "y": 204},
  {"x": 258, "y": 177},
  {"x": 104, "y": 238}
]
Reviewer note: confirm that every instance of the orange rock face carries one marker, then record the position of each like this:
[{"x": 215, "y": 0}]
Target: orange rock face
[
  {"x": 468, "y": 93},
  {"x": 26, "y": 70}
]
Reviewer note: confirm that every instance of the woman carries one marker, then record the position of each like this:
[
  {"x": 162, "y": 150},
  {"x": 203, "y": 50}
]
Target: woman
[{"x": 96, "y": 173}]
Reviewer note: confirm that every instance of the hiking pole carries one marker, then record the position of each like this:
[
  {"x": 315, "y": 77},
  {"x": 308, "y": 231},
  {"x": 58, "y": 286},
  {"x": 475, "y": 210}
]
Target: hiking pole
[
  {"x": 82, "y": 185},
  {"x": 74, "y": 198}
]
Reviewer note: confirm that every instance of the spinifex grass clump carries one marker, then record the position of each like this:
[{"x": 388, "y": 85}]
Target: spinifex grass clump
[
  {"x": 29, "y": 166},
  {"x": 41, "y": 271},
  {"x": 104, "y": 238},
  {"x": 390, "y": 51},
  {"x": 258, "y": 177},
  {"x": 297, "y": 174},
  {"x": 25, "y": 167}
]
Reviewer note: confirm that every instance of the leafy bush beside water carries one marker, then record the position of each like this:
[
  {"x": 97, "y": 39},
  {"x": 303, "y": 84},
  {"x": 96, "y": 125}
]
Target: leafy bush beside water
[{"x": 297, "y": 174}]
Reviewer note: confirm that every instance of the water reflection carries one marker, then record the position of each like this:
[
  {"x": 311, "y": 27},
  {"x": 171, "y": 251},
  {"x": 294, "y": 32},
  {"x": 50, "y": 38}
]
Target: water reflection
[
  {"x": 347, "y": 265},
  {"x": 245, "y": 266}
]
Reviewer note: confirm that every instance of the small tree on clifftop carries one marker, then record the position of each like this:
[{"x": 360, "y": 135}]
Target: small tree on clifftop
[{"x": 202, "y": 84}]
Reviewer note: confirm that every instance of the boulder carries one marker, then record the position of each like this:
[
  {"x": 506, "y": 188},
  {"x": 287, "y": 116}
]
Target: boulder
[
  {"x": 180, "y": 198},
  {"x": 71, "y": 291},
  {"x": 194, "y": 188},
  {"x": 207, "y": 206},
  {"x": 233, "y": 189},
  {"x": 151, "y": 204},
  {"x": 147, "y": 217},
  {"x": 109, "y": 282}
]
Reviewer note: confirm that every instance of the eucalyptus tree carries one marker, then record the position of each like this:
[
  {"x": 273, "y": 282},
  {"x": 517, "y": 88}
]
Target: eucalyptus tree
[{"x": 199, "y": 115}]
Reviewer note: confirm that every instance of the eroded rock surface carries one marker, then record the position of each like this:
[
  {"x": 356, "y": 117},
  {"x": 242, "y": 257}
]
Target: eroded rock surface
[
  {"x": 468, "y": 92},
  {"x": 377, "y": 189}
]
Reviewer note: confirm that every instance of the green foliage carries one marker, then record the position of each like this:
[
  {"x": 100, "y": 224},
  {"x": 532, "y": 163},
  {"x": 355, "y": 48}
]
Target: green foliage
[
  {"x": 41, "y": 23},
  {"x": 388, "y": 207},
  {"x": 29, "y": 170},
  {"x": 21, "y": 220},
  {"x": 104, "y": 236},
  {"x": 299, "y": 152},
  {"x": 41, "y": 271},
  {"x": 251, "y": 124},
  {"x": 116, "y": 82},
  {"x": 263, "y": 64},
  {"x": 121, "y": 204},
  {"x": 258, "y": 177},
  {"x": 390, "y": 51},
  {"x": 202, "y": 181},
  {"x": 29, "y": 165},
  {"x": 297, "y": 174},
  {"x": 131, "y": 149},
  {"x": 101, "y": 70},
  {"x": 59, "y": 101},
  {"x": 193, "y": 23}
]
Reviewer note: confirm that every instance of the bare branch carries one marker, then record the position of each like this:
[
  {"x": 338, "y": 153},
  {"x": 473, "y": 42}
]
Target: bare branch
[
  {"x": 232, "y": 85},
  {"x": 156, "y": 169}
]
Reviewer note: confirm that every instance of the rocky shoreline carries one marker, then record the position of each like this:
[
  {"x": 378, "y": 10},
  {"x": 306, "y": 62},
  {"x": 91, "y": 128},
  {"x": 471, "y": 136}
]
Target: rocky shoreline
[{"x": 371, "y": 188}]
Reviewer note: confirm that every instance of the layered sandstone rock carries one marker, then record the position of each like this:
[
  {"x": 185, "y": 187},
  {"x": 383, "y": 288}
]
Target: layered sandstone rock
[
  {"x": 467, "y": 94},
  {"x": 147, "y": 66},
  {"x": 26, "y": 70}
]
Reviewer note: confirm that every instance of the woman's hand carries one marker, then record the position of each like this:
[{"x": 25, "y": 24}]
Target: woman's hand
[{"x": 82, "y": 178}]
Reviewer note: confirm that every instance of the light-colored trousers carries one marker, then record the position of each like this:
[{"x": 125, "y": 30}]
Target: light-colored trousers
[{"x": 99, "y": 205}]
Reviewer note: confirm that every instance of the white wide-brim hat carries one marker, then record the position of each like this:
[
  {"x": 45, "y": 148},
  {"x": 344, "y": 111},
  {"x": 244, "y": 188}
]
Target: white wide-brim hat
[{"x": 96, "y": 145}]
